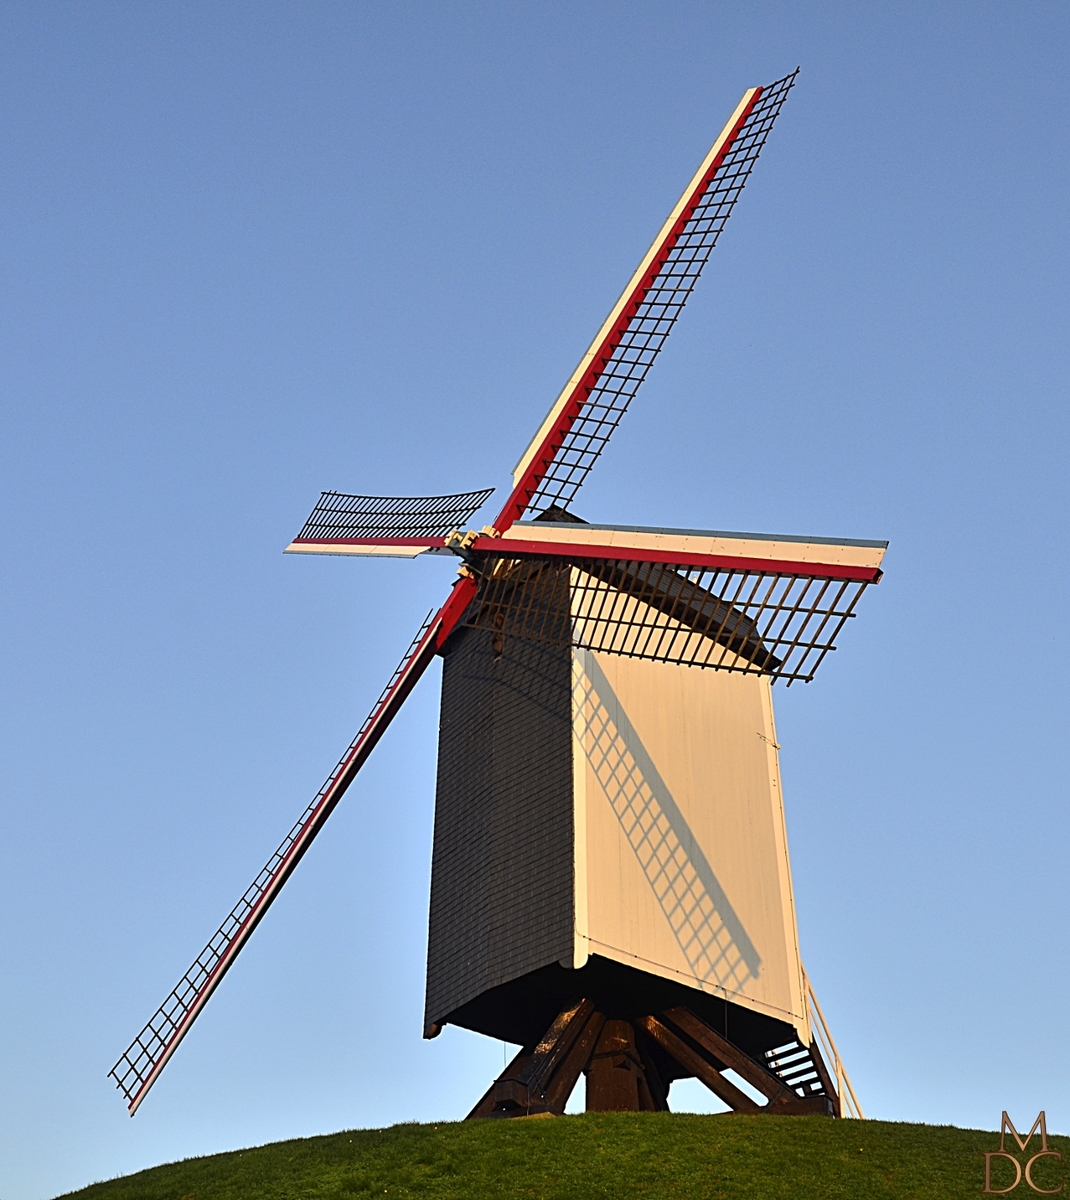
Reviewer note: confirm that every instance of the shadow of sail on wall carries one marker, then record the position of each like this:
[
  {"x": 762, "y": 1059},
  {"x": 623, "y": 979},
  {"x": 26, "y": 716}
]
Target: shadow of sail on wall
[
  {"x": 650, "y": 610},
  {"x": 636, "y": 609},
  {"x": 706, "y": 926}
]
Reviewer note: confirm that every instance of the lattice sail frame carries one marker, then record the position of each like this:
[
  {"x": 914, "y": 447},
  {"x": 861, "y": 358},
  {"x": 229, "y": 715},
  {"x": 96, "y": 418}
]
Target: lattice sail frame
[
  {"x": 140, "y": 1065},
  {"x": 340, "y": 515},
  {"x": 751, "y": 621},
  {"x": 601, "y": 389}
]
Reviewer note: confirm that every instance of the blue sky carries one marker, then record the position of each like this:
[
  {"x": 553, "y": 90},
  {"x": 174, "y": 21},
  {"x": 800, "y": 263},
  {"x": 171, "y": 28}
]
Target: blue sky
[{"x": 250, "y": 251}]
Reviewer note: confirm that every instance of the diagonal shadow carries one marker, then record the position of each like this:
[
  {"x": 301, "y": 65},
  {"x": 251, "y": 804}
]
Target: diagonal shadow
[{"x": 707, "y": 928}]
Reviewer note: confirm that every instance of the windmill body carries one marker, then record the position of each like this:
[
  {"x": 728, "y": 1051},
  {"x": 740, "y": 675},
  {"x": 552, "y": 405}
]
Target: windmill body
[
  {"x": 603, "y": 824},
  {"x": 609, "y": 822},
  {"x": 611, "y": 887}
]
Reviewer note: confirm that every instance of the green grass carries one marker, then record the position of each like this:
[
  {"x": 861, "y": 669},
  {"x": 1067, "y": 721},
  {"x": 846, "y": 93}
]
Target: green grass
[{"x": 597, "y": 1155}]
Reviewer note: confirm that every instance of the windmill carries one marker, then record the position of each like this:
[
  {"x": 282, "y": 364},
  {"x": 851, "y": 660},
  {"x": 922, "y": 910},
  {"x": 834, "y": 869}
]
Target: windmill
[{"x": 610, "y": 881}]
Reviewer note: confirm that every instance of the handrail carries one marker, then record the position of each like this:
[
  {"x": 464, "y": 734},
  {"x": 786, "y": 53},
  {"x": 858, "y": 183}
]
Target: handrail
[{"x": 846, "y": 1099}]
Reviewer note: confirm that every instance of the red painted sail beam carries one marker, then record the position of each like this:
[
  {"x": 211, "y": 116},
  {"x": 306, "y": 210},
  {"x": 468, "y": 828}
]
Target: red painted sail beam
[{"x": 464, "y": 592}]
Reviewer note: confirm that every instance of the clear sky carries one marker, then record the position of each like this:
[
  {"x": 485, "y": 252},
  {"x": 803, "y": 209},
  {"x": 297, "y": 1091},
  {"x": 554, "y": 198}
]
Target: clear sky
[{"x": 253, "y": 250}]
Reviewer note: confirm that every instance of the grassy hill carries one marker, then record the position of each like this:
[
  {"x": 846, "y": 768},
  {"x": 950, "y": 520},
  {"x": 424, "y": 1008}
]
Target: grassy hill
[{"x": 598, "y": 1155}]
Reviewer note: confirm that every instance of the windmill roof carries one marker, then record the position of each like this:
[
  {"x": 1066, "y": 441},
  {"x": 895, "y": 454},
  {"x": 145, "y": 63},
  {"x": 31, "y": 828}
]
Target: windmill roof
[
  {"x": 786, "y": 552},
  {"x": 712, "y": 533}
]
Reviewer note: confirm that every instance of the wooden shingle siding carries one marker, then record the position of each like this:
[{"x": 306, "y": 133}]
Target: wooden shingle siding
[{"x": 502, "y": 865}]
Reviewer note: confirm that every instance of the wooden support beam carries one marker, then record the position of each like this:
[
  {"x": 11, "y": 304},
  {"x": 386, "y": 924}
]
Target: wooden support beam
[
  {"x": 541, "y": 1077},
  {"x": 690, "y": 1059},
  {"x": 659, "y": 1093},
  {"x": 714, "y": 1043},
  {"x": 615, "y": 1071},
  {"x": 559, "y": 1087},
  {"x": 647, "y": 1102},
  {"x": 487, "y": 1104},
  {"x": 622, "y": 1072}
]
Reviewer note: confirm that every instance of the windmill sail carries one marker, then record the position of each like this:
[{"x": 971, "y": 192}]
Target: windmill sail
[
  {"x": 140, "y": 1066},
  {"x": 596, "y": 397},
  {"x": 768, "y": 605},
  {"x": 385, "y": 526}
]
